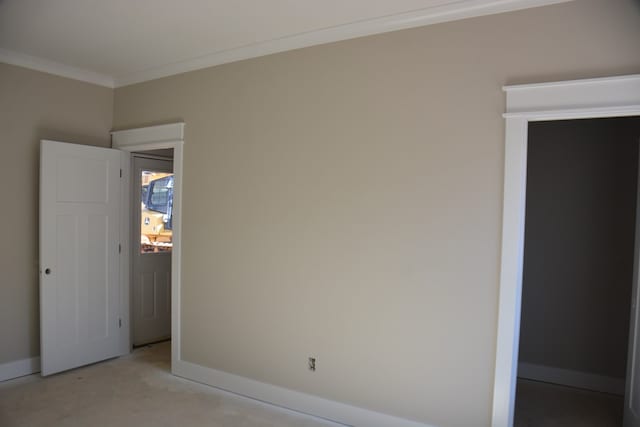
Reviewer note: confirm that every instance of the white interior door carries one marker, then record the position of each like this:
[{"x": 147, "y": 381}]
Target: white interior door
[
  {"x": 151, "y": 260},
  {"x": 80, "y": 199}
]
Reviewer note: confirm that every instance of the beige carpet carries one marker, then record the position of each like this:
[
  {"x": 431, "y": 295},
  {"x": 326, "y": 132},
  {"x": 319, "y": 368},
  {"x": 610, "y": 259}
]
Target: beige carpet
[
  {"x": 136, "y": 390},
  {"x": 547, "y": 405}
]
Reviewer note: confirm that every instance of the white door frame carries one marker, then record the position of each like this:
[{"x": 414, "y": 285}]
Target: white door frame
[
  {"x": 576, "y": 99},
  {"x": 144, "y": 139}
]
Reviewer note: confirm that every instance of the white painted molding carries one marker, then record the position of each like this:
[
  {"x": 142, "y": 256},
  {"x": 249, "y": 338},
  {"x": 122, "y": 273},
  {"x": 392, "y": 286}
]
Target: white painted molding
[
  {"x": 571, "y": 378},
  {"x": 451, "y": 11},
  {"x": 125, "y": 254},
  {"x": 576, "y": 96},
  {"x": 576, "y": 113},
  {"x": 147, "y": 135},
  {"x": 19, "y": 368},
  {"x": 577, "y": 99},
  {"x": 55, "y": 68},
  {"x": 444, "y": 12},
  {"x": 511, "y": 273},
  {"x": 290, "y": 399}
]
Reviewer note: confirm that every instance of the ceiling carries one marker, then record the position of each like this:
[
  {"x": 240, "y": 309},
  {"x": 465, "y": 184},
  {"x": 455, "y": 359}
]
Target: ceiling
[{"x": 119, "y": 42}]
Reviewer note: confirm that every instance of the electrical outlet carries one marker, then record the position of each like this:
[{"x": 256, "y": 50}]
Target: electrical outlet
[{"x": 312, "y": 364}]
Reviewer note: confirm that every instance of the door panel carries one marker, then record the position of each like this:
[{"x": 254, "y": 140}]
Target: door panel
[
  {"x": 80, "y": 266},
  {"x": 151, "y": 263}
]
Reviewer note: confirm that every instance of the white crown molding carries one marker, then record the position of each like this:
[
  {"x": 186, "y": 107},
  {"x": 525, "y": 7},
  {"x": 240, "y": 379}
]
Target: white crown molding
[
  {"x": 452, "y": 11},
  {"x": 55, "y": 68}
]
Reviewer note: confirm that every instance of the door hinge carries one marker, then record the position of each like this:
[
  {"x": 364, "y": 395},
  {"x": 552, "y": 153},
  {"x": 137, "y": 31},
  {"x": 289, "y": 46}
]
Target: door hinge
[
  {"x": 120, "y": 173},
  {"x": 119, "y": 323},
  {"x": 119, "y": 248}
]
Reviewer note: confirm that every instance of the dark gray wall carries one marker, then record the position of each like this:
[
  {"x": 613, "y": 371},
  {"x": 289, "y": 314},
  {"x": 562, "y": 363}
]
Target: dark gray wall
[{"x": 579, "y": 237}]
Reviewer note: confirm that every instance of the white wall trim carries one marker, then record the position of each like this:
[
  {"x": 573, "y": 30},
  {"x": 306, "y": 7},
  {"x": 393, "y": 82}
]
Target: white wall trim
[
  {"x": 576, "y": 95},
  {"x": 576, "y": 113},
  {"x": 577, "y": 99},
  {"x": 451, "y": 11},
  {"x": 571, "y": 378},
  {"x": 290, "y": 399},
  {"x": 153, "y": 138},
  {"x": 19, "y": 368},
  {"x": 125, "y": 254},
  {"x": 55, "y": 68},
  {"x": 148, "y": 135}
]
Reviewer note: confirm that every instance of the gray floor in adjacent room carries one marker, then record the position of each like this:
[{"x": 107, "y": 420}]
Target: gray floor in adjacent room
[
  {"x": 547, "y": 405},
  {"x": 135, "y": 390}
]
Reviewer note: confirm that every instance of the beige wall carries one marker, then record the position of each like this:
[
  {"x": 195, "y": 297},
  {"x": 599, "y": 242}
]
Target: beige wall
[
  {"x": 344, "y": 201},
  {"x": 34, "y": 106},
  {"x": 579, "y": 240}
]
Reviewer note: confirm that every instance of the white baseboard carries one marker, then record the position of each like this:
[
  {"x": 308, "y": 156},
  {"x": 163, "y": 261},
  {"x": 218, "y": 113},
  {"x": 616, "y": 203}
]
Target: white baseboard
[
  {"x": 289, "y": 399},
  {"x": 571, "y": 378},
  {"x": 19, "y": 368}
]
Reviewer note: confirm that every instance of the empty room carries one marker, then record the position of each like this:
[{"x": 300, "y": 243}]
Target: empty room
[{"x": 318, "y": 214}]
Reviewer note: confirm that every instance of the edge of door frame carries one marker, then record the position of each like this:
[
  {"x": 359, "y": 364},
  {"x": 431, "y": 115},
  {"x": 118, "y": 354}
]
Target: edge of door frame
[
  {"x": 577, "y": 99},
  {"x": 144, "y": 139}
]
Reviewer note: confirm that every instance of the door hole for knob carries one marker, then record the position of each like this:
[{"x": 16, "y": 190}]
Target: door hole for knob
[{"x": 47, "y": 271}]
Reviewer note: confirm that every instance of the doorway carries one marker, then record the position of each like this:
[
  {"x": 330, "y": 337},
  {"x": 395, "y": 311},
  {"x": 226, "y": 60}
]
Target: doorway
[
  {"x": 151, "y": 244},
  {"x": 526, "y": 104},
  {"x": 146, "y": 140},
  {"x": 582, "y": 178}
]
